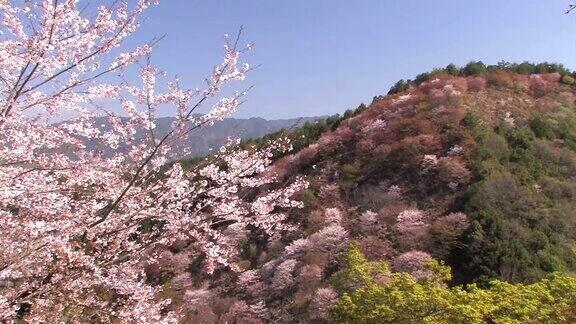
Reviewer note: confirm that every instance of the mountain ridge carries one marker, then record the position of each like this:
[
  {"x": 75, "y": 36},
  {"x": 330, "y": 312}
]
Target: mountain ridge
[{"x": 205, "y": 139}]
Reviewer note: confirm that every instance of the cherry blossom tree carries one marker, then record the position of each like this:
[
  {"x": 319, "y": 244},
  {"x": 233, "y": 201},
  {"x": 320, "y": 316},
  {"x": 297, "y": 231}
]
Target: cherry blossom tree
[
  {"x": 321, "y": 302},
  {"x": 368, "y": 221},
  {"x": 240, "y": 312},
  {"x": 283, "y": 276},
  {"x": 411, "y": 229},
  {"x": 477, "y": 83},
  {"x": 411, "y": 218},
  {"x": 297, "y": 248},
  {"x": 332, "y": 239},
  {"x": 251, "y": 284},
  {"x": 429, "y": 162},
  {"x": 332, "y": 216},
  {"x": 85, "y": 205},
  {"x": 309, "y": 275},
  {"x": 413, "y": 262}
]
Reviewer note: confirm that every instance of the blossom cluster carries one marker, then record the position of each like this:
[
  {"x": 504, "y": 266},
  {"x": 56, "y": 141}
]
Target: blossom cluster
[{"x": 84, "y": 205}]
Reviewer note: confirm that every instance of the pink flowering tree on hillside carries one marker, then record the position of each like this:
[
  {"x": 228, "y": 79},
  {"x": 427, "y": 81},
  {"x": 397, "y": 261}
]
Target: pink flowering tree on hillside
[{"x": 79, "y": 222}]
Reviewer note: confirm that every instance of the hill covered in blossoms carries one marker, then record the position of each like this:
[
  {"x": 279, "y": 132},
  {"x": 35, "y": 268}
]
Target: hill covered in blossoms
[{"x": 430, "y": 193}]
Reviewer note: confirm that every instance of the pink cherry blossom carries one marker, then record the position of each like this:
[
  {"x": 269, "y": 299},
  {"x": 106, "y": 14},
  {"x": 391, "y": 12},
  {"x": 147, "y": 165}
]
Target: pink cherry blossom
[
  {"x": 321, "y": 301},
  {"x": 413, "y": 262},
  {"x": 78, "y": 182}
]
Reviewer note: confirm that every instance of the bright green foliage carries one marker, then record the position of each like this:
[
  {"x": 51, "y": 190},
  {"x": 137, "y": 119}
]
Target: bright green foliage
[
  {"x": 385, "y": 297},
  {"x": 357, "y": 271}
]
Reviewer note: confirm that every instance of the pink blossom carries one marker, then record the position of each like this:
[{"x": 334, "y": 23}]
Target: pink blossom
[
  {"x": 454, "y": 222},
  {"x": 330, "y": 191},
  {"x": 251, "y": 283},
  {"x": 332, "y": 239},
  {"x": 412, "y": 216},
  {"x": 402, "y": 98},
  {"x": 369, "y": 217},
  {"x": 451, "y": 91},
  {"x": 284, "y": 275},
  {"x": 508, "y": 119},
  {"x": 195, "y": 300},
  {"x": 344, "y": 134},
  {"x": 321, "y": 301},
  {"x": 477, "y": 83},
  {"x": 297, "y": 248},
  {"x": 373, "y": 126},
  {"x": 413, "y": 262},
  {"x": 394, "y": 191},
  {"x": 455, "y": 150},
  {"x": 332, "y": 216},
  {"x": 309, "y": 274},
  {"x": 72, "y": 213},
  {"x": 240, "y": 312},
  {"x": 409, "y": 220}
]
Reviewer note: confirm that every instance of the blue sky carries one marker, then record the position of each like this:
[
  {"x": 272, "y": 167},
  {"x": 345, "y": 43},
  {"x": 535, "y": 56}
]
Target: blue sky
[{"x": 321, "y": 57}]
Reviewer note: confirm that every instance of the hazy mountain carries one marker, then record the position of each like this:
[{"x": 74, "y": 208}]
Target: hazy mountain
[{"x": 212, "y": 137}]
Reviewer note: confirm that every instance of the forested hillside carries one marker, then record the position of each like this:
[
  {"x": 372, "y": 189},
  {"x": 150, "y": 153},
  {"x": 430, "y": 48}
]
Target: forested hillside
[{"x": 462, "y": 176}]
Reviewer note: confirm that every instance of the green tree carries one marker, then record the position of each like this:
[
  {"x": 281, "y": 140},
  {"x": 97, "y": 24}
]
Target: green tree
[
  {"x": 400, "y": 86},
  {"x": 422, "y": 77},
  {"x": 379, "y": 296},
  {"x": 474, "y": 68},
  {"x": 452, "y": 69}
]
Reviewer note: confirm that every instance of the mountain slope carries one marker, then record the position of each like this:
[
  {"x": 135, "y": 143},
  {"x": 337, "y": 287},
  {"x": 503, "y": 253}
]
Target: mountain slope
[
  {"x": 500, "y": 148},
  {"x": 476, "y": 168}
]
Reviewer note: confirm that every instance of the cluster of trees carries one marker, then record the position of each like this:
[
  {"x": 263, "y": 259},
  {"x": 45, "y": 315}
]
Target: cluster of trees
[
  {"x": 298, "y": 268},
  {"x": 394, "y": 152},
  {"x": 475, "y": 68},
  {"x": 522, "y": 204},
  {"x": 436, "y": 173},
  {"x": 486, "y": 185},
  {"x": 371, "y": 293},
  {"x": 125, "y": 235}
]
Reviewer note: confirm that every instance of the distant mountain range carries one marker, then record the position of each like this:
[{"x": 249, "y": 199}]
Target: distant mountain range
[
  {"x": 212, "y": 137},
  {"x": 202, "y": 140}
]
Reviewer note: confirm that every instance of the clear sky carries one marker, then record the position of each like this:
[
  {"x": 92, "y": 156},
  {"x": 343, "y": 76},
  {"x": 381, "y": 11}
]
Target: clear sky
[{"x": 321, "y": 57}]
